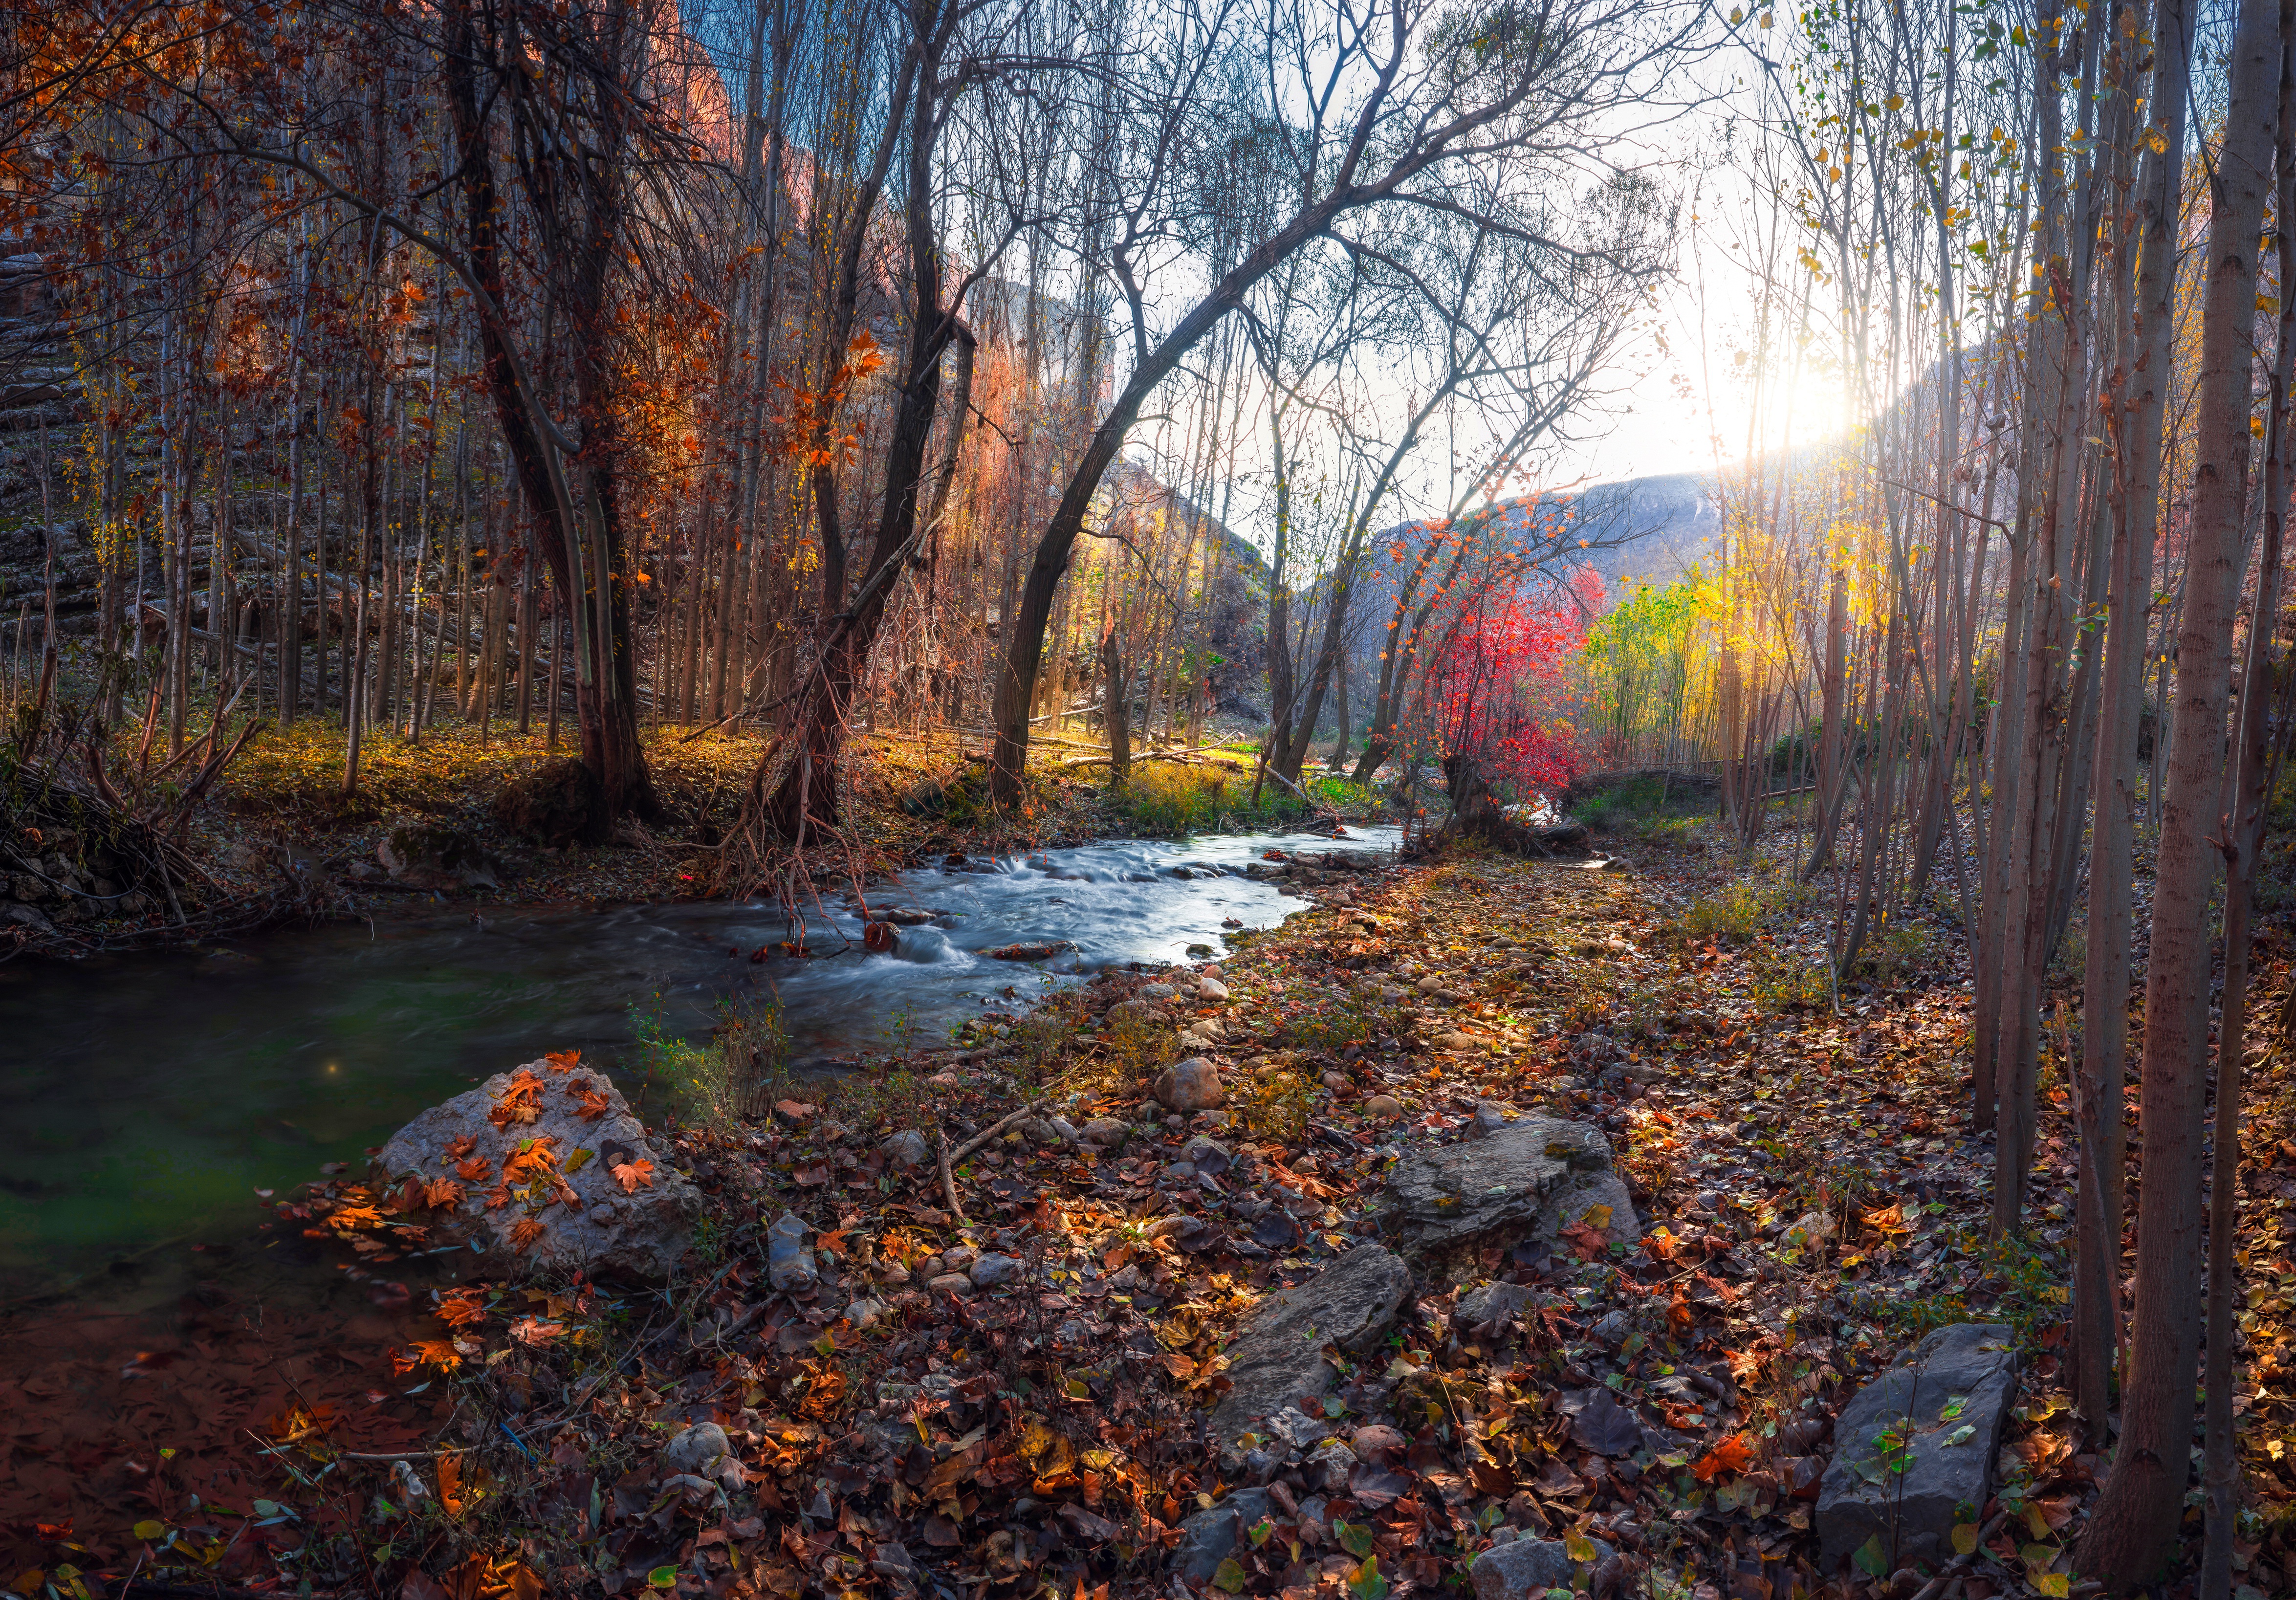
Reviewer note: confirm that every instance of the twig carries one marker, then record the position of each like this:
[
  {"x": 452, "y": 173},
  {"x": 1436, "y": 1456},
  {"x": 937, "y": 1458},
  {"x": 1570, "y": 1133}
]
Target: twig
[
  {"x": 948, "y": 1183},
  {"x": 979, "y": 1139}
]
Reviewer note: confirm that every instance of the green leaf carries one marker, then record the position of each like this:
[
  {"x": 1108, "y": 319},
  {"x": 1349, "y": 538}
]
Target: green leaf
[
  {"x": 1872, "y": 1558},
  {"x": 1353, "y": 1537},
  {"x": 1579, "y": 1548},
  {"x": 2038, "y": 1558},
  {"x": 1954, "y": 1408},
  {"x": 149, "y": 1530},
  {"x": 1367, "y": 1584},
  {"x": 1258, "y": 1531},
  {"x": 1964, "y": 1537},
  {"x": 2055, "y": 1585},
  {"x": 267, "y": 1508},
  {"x": 1961, "y": 1435},
  {"x": 663, "y": 1577},
  {"x": 1229, "y": 1576}
]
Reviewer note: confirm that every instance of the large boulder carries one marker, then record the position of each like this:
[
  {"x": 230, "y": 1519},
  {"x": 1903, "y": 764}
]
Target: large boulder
[
  {"x": 546, "y": 1165},
  {"x": 1914, "y": 1445},
  {"x": 423, "y": 856},
  {"x": 1278, "y": 1357},
  {"x": 1537, "y": 1175}
]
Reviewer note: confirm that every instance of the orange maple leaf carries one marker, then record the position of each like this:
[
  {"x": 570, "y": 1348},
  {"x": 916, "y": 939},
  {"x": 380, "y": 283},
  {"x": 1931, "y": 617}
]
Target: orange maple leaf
[
  {"x": 524, "y": 1233},
  {"x": 564, "y": 1061},
  {"x": 460, "y": 1308},
  {"x": 442, "y": 1192},
  {"x": 590, "y": 1103},
  {"x": 1734, "y": 1453},
  {"x": 497, "y": 1197},
  {"x": 522, "y": 1102},
  {"x": 534, "y": 1156},
  {"x": 534, "y": 1331},
  {"x": 460, "y": 1148},
  {"x": 631, "y": 1174},
  {"x": 439, "y": 1353},
  {"x": 1661, "y": 1245},
  {"x": 476, "y": 1171}
]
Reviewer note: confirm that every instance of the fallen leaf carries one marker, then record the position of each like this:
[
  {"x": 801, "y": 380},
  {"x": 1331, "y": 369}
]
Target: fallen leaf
[{"x": 630, "y": 1174}]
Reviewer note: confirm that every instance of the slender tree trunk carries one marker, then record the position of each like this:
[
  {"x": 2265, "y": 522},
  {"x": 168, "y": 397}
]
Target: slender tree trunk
[{"x": 2133, "y": 1526}]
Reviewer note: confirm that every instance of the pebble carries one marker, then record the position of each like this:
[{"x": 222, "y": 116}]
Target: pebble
[
  {"x": 1192, "y": 1084},
  {"x": 1212, "y": 990},
  {"x": 951, "y": 1283},
  {"x": 994, "y": 1269},
  {"x": 906, "y": 1149},
  {"x": 863, "y": 1313},
  {"x": 1155, "y": 991},
  {"x": 1336, "y": 1081},
  {"x": 1108, "y": 1132},
  {"x": 1382, "y": 1105}
]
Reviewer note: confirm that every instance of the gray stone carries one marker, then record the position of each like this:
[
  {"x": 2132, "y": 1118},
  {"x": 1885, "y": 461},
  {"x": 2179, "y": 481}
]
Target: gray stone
[
  {"x": 640, "y": 1234},
  {"x": 1329, "y": 1465},
  {"x": 1960, "y": 1377},
  {"x": 1066, "y": 1129},
  {"x": 1155, "y": 991},
  {"x": 1207, "y": 1153},
  {"x": 1538, "y": 1174},
  {"x": 1492, "y": 1117},
  {"x": 1192, "y": 1084},
  {"x": 1297, "y": 1429},
  {"x": 1527, "y": 1567},
  {"x": 951, "y": 1283},
  {"x": 1613, "y": 1327},
  {"x": 1211, "y": 991},
  {"x": 789, "y": 1264},
  {"x": 1491, "y": 1302},
  {"x": 906, "y": 1149},
  {"x": 703, "y": 1452},
  {"x": 1107, "y": 1132},
  {"x": 993, "y": 1268},
  {"x": 433, "y": 857},
  {"x": 1209, "y": 1536},
  {"x": 1278, "y": 1357}
]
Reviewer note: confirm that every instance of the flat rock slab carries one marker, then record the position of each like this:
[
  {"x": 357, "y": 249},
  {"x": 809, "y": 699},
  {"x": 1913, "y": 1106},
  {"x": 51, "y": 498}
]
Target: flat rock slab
[
  {"x": 1209, "y": 1536},
  {"x": 543, "y": 1145},
  {"x": 1528, "y": 1567},
  {"x": 1278, "y": 1357},
  {"x": 1949, "y": 1399},
  {"x": 1538, "y": 1175}
]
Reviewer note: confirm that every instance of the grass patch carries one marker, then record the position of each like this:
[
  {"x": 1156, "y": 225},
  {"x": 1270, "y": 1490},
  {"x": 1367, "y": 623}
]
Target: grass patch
[
  {"x": 1163, "y": 799},
  {"x": 1655, "y": 806},
  {"x": 718, "y": 1083}
]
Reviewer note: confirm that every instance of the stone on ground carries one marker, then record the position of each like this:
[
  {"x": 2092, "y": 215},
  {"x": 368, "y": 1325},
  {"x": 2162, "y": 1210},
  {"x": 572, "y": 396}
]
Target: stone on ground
[
  {"x": 1951, "y": 1394},
  {"x": 1209, "y": 1536},
  {"x": 1278, "y": 1357},
  {"x": 1192, "y": 1084},
  {"x": 423, "y": 856},
  {"x": 1538, "y": 1175},
  {"x": 1527, "y": 1567},
  {"x": 584, "y": 1186}
]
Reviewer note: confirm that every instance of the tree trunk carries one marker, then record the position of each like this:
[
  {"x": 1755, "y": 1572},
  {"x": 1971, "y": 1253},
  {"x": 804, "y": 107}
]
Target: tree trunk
[{"x": 2133, "y": 1526}]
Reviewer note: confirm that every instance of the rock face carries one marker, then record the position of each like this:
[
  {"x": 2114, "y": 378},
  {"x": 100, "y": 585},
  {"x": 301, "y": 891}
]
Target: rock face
[
  {"x": 1192, "y": 1084},
  {"x": 577, "y": 1182},
  {"x": 1538, "y": 1175},
  {"x": 1952, "y": 1395},
  {"x": 1209, "y": 1536},
  {"x": 431, "y": 858},
  {"x": 1279, "y": 1355}
]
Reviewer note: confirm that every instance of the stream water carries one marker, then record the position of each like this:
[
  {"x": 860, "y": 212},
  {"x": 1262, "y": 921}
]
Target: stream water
[
  {"x": 148, "y": 1097},
  {"x": 157, "y": 1319}
]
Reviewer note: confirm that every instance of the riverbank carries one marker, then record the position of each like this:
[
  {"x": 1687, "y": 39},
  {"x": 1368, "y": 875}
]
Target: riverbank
[
  {"x": 1009, "y": 1380},
  {"x": 278, "y": 841}
]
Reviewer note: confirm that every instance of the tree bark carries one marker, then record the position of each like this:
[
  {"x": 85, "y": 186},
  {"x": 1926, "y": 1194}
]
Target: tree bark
[{"x": 2133, "y": 1526}]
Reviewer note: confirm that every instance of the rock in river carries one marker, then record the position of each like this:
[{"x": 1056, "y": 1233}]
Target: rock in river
[
  {"x": 1949, "y": 1398},
  {"x": 582, "y": 1187},
  {"x": 1538, "y": 1175}
]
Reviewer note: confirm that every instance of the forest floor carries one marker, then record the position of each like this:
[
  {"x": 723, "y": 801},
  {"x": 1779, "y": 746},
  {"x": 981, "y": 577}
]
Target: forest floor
[{"x": 1813, "y": 1202}]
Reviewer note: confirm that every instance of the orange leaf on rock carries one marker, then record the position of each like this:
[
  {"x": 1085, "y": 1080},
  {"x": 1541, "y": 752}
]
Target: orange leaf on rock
[
  {"x": 524, "y": 1233},
  {"x": 460, "y": 1308},
  {"x": 476, "y": 1171},
  {"x": 440, "y": 1193},
  {"x": 459, "y": 1148},
  {"x": 590, "y": 1102},
  {"x": 564, "y": 1061},
  {"x": 630, "y": 1174}
]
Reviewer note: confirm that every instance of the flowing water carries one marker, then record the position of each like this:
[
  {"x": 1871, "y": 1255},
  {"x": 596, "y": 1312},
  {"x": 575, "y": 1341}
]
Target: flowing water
[
  {"x": 158, "y": 1316},
  {"x": 149, "y": 1097}
]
